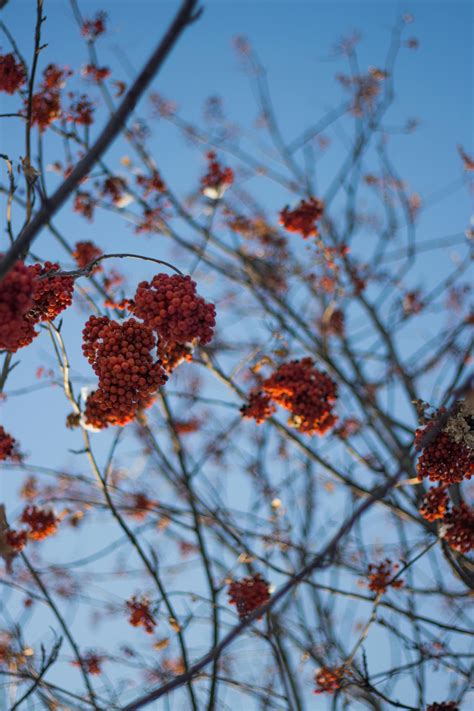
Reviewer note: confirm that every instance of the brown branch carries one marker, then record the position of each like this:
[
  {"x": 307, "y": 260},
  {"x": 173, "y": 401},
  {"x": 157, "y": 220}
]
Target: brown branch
[{"x": 186, "y": 15}]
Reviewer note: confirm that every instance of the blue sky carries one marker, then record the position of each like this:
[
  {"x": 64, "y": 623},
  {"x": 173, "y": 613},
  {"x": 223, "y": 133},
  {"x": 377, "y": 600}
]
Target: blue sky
[{"x": 294, "y": 41}]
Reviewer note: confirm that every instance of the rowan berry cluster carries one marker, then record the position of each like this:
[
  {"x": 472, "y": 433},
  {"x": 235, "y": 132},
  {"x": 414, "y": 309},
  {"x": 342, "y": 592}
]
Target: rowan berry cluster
[
  {"x": 85, "y": 253},
  {"x": 217, "y": 178},
  {"x": 140, "y": 614},
  {"x": 80, "y": 111},
  {"x": 95, "y": 74},
  {"x": 153, "y": 184},
  {"x": 46, "y": 103},
  {"x": 334, "y": 325},
  {"x": 381, "y": 576},
  {"x": 94, "y": 27},
  {"x": 458, "y": 528},
  {"x": 26, "y": 300},
  {"x": 329, "y": 679},
  {"x": 443, "y": 706},
  {"x": 16, "y": 540},
  {"x": 50, "y": 295},
  {"x": 42, "y": 522},
  {"x": 299, "y": 387},
  {"x": 173, "y": 309},
  {"x": 249, "y": 594},
  {"x": 173, "y": 354},
  {"x": 114, "y": 187},
  {"x": 258, "y": 408},
  {"x": 92, "y": 662},
  {"x": 449, "y": 457},
  {"x": 12, "y": 74},
  {"x": 435, "y": 503},
  {"x": 7, "y": 445},
  {"x": 84, "y": 204},
  {"x": 121, "y": 357},
  {"x": 303, "y": 218}
]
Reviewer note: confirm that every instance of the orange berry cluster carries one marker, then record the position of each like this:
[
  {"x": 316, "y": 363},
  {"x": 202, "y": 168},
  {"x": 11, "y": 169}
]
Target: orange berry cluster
[
  {"x": 299, "y": 387},
  {"x": 303, "y": 218},
  {"x": 329, "y": 679},
  {"x": 80, "y": 111},
  {"x": 26, "y": 300},
  {"x": 172, "y": 354},
  {"x": 12, "y": 74},
  {"x": 120, "y": 354},
  {"x": 140, "y": 614},
  {"x": 173, "y": 309},
  {"x": 381, "y": 575},
  {"x": 7, "y": 445},
  {"x": 249, "y": 594},
  {"x": 42, "y": 522},
  {"x": 217, "y": 178},
  {"x": 85, "y": 253},
  {"x": 458, "y": 528},
  {"x": 435, "y": 503}
]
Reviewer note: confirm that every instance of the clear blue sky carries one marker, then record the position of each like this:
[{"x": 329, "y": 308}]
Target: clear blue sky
[{"x": 294, "y": 41}]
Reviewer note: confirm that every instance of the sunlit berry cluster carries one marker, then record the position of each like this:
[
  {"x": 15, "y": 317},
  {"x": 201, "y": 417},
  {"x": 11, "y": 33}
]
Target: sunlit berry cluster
[
  {"x": 16, "y": 540},
  {"x": 329, "y": 679},
  {"x": 381, "y": 576},
  {"x": 173, "y": 354},
  {"x": 7, "y": 445},
  {"x": 173, "y": 309},
  {"x": 303, "y": 218},
  {"x": 85, "y": 253},
  {"x": 129, "y": 376},
  {"x": 458, "y": 528},
  {"x": 258, "y": 408},
  {"x": 299, "y": 387},
  {"x": 12, "y": 74},
  {"x": 249, "y": 594},
  {"x": 41, "y": 521},
  {"x": 217, "y": 178},
  {"x": 140, "y": 614},
  {"x": 435, "y": 503}
]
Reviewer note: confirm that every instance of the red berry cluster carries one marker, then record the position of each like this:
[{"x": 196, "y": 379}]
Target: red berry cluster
[
  {"x": 443, "y": 459},
  {"x": 16, "y": 298},
  {"x": 435, "y": 503},
  {"x": 443, "y": 706},
  {"x": 249, "y": 594},
  {"x": 7, "y": 445},
  {"x": 120, "y": 354},
  {"x": 114, "y": 187},
  {"x": 46, "y": 103},
  {"x": 258, "y": 408},
  {"x": 95, "y": 74},
  {"x": 329, "y": 679},
  {"x": 458, "y": 528},
  {"x": 381, "y": 576},
  {"x": 302, "y": 219},
  {"x": 306, "y": 392},
  {"x": 16, "y": 540},
  {"x": 140, "y": 614},
  {"x": 151, "y": 184},
  {"x": 217, "y": 178},
  {"x": 85, "y": 253},
  {"x": 92, "y": 662},
  {"x": 84, "y": 204},
  {"x": 173, "y": 309},
  {"x": 42, "y": 522},
  {"x": 50, "y": 295},
  {"x": 334, "y": 325},
  {"x": 93, "y": 28},
  {"x": 12, "y": 74},
  {"x": 81, "y": 111}
]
